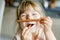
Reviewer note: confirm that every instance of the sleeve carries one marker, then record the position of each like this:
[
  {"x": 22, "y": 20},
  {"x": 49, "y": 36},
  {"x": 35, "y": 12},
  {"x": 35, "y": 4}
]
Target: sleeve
[{"x": 17, "y": 37}]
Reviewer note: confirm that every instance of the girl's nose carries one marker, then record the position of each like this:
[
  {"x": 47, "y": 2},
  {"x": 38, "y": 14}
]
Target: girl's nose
[{"x": 29, "y": 17}]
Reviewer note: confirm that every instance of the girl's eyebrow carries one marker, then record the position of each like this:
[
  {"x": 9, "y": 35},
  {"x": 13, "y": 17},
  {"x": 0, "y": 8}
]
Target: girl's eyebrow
[{"x": 23, "y": 14}]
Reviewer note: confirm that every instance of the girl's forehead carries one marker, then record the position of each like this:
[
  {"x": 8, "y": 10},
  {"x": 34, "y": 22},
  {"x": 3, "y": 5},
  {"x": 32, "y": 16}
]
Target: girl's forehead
[{"x": 30, "y": 12}]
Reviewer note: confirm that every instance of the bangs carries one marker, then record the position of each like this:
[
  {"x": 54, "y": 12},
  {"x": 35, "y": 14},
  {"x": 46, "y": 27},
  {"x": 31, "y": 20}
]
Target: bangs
[{"x": 26, "y": 6}]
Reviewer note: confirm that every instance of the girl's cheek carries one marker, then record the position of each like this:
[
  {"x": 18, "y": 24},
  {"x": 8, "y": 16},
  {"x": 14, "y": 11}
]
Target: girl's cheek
[
  {"x": 23, "y": 18},
  {"x": 36, "y": 17},
  {"x": 23, "y": 25}
]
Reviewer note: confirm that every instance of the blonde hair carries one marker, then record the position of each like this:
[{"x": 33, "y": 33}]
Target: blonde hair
[{"x": 26, "y": 5}]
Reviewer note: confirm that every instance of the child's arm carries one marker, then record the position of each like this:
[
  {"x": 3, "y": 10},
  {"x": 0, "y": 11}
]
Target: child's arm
[
  {"x": 49, "y": 35},
  {"x": 47, "y": 24}
]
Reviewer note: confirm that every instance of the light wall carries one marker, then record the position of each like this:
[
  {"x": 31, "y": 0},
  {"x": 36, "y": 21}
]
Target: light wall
[{"x": 2, "y": 5}]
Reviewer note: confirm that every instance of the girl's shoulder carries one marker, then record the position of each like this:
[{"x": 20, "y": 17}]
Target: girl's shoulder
[{"x": 17, "y": 37}]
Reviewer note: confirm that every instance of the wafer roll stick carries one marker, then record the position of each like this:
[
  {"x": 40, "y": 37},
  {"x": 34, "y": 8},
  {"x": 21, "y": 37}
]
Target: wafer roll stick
[{"x": 28, "y": 20}]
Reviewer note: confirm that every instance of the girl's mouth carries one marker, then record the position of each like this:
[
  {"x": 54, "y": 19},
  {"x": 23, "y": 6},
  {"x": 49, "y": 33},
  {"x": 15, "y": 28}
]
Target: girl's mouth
[{"x": 30, "y": 25}]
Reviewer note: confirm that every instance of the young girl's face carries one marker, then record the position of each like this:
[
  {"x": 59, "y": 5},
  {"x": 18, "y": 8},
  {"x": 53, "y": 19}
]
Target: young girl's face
[{"x": 29, "y": 14}]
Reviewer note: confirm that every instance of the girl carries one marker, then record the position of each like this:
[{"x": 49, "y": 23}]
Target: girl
[{"x": 40, "y": 29}]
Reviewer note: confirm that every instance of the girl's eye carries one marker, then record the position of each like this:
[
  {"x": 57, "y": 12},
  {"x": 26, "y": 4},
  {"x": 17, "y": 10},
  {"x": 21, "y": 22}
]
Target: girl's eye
[{"x": 23, "y": 15}]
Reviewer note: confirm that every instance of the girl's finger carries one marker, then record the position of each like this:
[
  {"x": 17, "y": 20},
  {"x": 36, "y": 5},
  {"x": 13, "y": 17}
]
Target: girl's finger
[
  {"x": 24, "y": 31},
  {"x": 48, "y": 19}
]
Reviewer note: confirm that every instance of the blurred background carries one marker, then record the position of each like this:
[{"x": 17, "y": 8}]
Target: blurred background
[{"x": 8, "y": 23}]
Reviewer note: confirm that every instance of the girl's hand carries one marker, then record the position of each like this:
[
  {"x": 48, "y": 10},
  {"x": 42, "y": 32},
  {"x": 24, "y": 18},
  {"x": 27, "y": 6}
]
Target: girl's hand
[{"x": 47, "y": 23}]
